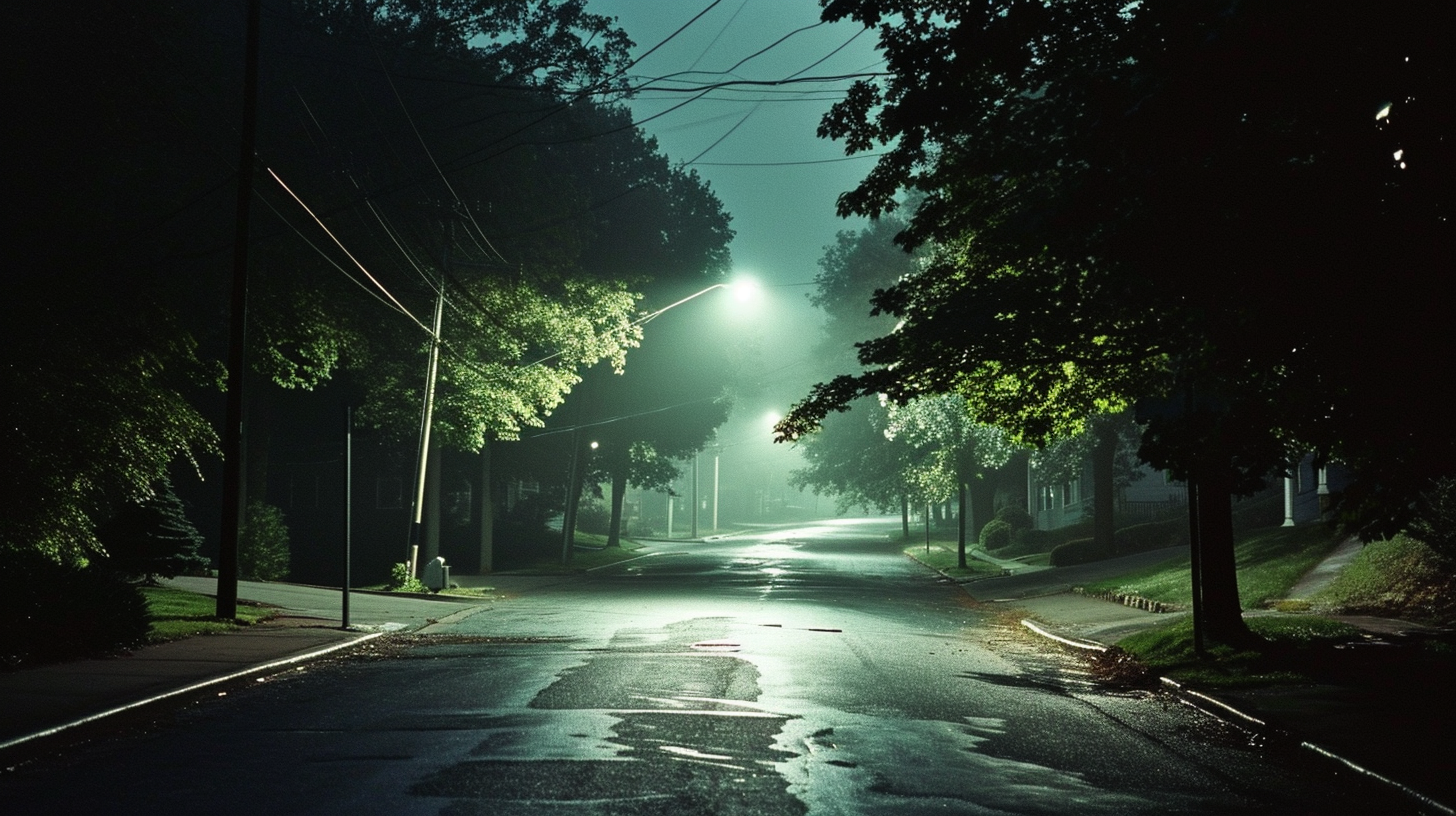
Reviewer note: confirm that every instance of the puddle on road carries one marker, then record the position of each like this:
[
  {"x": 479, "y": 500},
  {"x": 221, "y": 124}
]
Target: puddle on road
[{"x": 633, "y": 733}]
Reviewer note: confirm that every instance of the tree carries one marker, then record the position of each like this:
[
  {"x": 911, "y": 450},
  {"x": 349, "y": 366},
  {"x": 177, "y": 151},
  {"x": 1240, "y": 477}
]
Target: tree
[
  {"x": 151, "y": 538},
  {"x": 498, "y": 176},
  {"x": 1109, "y": 442},
  {"x": 1128, "y": 211},
  {"x": 960, "y": 453},
  {"x": 852, "y": 459}
]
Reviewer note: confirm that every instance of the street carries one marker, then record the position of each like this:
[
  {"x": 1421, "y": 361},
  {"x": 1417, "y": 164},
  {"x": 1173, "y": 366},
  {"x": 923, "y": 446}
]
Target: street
[{"x": 805, "y": 670}]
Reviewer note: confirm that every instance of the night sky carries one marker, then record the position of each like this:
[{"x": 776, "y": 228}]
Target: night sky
[{"x": 756, "y": 145}]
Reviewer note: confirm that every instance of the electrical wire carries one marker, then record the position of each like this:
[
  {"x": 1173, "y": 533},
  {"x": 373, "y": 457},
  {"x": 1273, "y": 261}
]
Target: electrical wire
[{"x": 346, "y": 251}]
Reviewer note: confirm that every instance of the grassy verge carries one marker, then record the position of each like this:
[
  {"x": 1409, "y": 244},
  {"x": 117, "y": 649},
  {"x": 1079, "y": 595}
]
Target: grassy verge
[
  {"x": 177, "y": 614},
  {"x": 1399, "y": 577},
  {"x": 945, "y": 558},
  {"x": 1270, "y": 561},
  {"x": 1288, "y": 650}
]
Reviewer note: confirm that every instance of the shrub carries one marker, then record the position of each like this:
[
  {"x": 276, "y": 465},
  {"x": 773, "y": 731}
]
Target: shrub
[
  {"x": 51, "y": 611},
  {"x": 1435, "y": 519},
  {"x": 1078, "y": 551},
  {"x": 1153, "y": 535},
  {"x": 400, "y": 580},
  {"x": 593, "y": 517},
  {"x": 263, "y": 545},
  {"x": 1016, "y": 516},
  {"x": 996, "y": 535}
]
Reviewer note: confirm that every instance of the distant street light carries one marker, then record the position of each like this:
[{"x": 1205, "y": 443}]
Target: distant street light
[{"x": 744, "y": 290}]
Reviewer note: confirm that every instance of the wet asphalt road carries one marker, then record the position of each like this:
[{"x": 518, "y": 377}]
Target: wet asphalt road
[{"x": 808, "y": 670}]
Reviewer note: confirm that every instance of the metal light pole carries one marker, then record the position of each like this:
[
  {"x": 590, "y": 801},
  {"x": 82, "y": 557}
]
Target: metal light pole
[{"x": 348, "y": 514}]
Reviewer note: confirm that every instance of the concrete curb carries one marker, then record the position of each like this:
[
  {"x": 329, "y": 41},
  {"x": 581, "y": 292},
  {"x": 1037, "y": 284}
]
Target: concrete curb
[
  {"x": 1221, "y": 710},
  {"x": 188, "y": 689}
]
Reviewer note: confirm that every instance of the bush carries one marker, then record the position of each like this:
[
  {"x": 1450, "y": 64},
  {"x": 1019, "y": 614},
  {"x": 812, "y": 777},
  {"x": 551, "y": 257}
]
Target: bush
[
  {"x": 263, "y": 544},
  {"x": 51, "y": 611},
  {"x": 400, "y": 580},
  {"x": 1435, "y": 519},
  {"x": 1153, "y": 535},
  {"x": 996, "y": 535},
  {"x": 1078, "y": 551},
  {"x": 1016, "y": 516},
  {"x": 593, "y": 517}
]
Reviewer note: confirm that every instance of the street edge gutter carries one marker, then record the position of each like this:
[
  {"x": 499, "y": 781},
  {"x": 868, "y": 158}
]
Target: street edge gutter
[
  {"x": 262, "y": 667},
  {"x": 1221, "y": 710}
]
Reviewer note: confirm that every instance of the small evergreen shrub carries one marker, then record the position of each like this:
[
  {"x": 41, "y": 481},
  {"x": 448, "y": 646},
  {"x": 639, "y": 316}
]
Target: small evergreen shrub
[
  {"x": 151, "y": 539},
  {"x": 1078, "y": 551},
  {"x": 1016, "y": 516},
  {"x": 1153, "y": 535},
  {"x": 263, "y": 545},
  {"x": 996, "y": 535}
]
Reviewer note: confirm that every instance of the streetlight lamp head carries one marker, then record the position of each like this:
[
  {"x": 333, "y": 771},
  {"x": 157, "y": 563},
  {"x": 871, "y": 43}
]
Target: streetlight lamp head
[{"x": 744, "y": 289}]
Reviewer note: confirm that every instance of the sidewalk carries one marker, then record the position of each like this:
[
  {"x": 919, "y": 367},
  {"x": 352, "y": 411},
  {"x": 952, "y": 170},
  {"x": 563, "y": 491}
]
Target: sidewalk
[
  {"x": 47, "y": 700},
  {"x": 1383, "y": 711}
]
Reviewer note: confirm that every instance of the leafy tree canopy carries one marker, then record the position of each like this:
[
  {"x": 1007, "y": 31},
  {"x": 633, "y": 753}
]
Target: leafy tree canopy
[{"x": 1128, "y": 209}]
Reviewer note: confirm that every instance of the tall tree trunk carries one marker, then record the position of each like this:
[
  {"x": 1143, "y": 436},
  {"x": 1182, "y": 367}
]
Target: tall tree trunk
[
  {"x": 905, "y": 515},
  {"x": 574, "y": 482},
  {"x": 619, "y": 491},
  {"x": 963, "y": 505},
  {"x": 1104, "y": 498},
  {"x": 1218, "y": 580}
]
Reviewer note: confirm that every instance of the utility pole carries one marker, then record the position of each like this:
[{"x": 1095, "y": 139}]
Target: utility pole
[
  {"x": 432, "y": 372},
  {"x": 233, "y": 501},
  {"x": 429, "y": 410}
]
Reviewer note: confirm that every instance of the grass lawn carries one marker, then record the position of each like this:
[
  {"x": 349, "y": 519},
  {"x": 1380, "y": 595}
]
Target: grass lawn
[
  {"x": 1270, "y": 561},
  {"x": 944, "y": 558},
  {"x": 177, "y": 614},
  {"x": 1289, "y": 646}
]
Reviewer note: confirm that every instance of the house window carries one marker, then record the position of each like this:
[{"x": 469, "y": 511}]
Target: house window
[{"x": 388, "y": 493}]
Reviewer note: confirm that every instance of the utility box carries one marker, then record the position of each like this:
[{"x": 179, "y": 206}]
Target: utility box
[{"x": 437, "y": 575}]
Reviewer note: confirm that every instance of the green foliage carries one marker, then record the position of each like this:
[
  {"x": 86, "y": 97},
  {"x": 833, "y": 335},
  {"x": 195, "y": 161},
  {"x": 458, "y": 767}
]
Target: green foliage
[
  {"x": 854, "y": 461},
  {"x": 1269, "y": 561},
  {"x": 1078, "y": 551},
  {"x": 400, "y": 580},
  {"x": 90, "y": 419},
  {"x": 1108, "y": 174},
  {"x": 176, "y": 614},
  {"x": 151, "y": 539},
  {"x": 1435, "y": 519},
  {"x": 1153, "y": 535},
  {"x": 997, "y": 534},
  {"x": 51, "y": 611},
  {"x": 946, "y": 559},
  {"x": 1016, "y": 516},
  {"x": 263, "y": 553},
  {"x": 1399, "y": 577},
  {"x": 1284, "y": 649}
]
